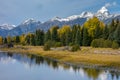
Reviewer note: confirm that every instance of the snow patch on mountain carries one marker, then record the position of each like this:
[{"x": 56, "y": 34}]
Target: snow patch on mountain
[
  {"x": 28, "y": 21},
  {"x": 103, "y": 13},
  {"x": 82, "y": 15},
  {"x": 7, "y": 26},
  {"x": 86, "y": 15},
  {"x": 103, "y": 10}
]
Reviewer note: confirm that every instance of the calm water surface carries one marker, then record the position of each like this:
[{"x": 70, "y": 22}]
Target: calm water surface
[{"x": 31, "y": 67}]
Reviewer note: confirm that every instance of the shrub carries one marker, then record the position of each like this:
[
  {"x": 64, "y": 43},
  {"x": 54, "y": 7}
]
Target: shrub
[
  {"x": 75, "y": 48},
  {"x": 94, "y": 44},
  {"x": 101, "y": 43},
  {"x": 57, "y": 44},
  {"x": 107, "y": 44},
  {"x": 115, "y": 45},
  {"x": 97, "y": 43},
  {"x": 71, "y": 44},
  {"x": 47, "y": 45}
]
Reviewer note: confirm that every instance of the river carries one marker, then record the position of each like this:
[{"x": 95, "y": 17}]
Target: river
[{"x": 14, "y": 66}]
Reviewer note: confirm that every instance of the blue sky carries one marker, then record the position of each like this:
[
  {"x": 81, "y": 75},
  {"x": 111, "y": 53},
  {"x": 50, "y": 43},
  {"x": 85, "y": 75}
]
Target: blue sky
[{"x": 16, "y": 11}]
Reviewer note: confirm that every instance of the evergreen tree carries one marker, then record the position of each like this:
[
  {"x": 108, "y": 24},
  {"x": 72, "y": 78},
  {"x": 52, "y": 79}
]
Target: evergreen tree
[
  {"x": 5, "y": 40},
  {"x": 17, "y": 39},
  {"x": 54, "y": 33},
  {"x": 98, "y": 32},
  {"x": 81, "y": 43},
  {"x": 68, "y": 36},
  {"x": 39, "y": 37},
  {"x": 32, "y": 39},
  {"x": 105, "y": 32},
  {"x": 117, "y": 34},
  {"x": 112, "y": 28},
  {"x": 78, "y": 38},
  {"x": 74, "y": 31},
  {"x": 47, "y": 36},
  {"x": 86, "y": 38}
]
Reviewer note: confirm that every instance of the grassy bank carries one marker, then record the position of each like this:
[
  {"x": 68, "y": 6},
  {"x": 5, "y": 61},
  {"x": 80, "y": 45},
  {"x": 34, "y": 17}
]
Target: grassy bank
[{"x": 89, "y": 56}]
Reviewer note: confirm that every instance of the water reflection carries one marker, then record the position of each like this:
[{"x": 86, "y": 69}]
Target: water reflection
[{"x": 30, "y": 60}]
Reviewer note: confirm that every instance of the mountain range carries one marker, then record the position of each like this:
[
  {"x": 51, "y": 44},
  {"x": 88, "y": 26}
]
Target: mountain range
[{"x": 30, "y": 25}]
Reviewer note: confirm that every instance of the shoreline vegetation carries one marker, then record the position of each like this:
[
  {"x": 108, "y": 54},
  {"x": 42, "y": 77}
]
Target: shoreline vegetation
[{"x": 87, "y": 56}]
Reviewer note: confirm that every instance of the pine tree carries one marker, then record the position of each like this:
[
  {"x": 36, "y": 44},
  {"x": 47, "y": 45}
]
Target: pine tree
[
  {"x": 74, "y": 31},
  {"x": 98, "y": 32},
  {"x": 78, "y": 38},
  {"x": 32, "y": 39},
  {"x": 17, "y": 39},
  {"x": 117, "y": 34},
  {"x": 105, "y": 32},
  {"x": 54, "y": 33},
  {"x": 39, "y": 37},
  {"x": 81, "y": 43},
  {"x": 68, "y": 36},
  {"x": 112, "y": 29},
  {"x": 47, "y": 36},
  {"x": 5, "y": 40},
  {"x": 86, "y": 39}
]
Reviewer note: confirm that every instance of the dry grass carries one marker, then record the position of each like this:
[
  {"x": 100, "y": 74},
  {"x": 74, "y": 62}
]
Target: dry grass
[{"x": 88, "y": 55}]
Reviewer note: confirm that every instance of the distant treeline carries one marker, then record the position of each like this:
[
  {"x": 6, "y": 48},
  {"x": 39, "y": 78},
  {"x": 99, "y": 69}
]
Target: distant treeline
[{"x": 93, "y": 33}]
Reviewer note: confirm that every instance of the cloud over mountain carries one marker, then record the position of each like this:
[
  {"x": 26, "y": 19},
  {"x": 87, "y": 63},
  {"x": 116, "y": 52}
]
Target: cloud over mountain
[{"x": 110, "y": 4}]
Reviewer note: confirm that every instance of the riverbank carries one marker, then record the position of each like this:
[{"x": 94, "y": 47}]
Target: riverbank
[{"x": 101, "y": 57}]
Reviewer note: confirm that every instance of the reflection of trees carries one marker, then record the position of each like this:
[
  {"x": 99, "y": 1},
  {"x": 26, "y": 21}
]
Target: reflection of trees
[
  {"x": 114, "y": 75},
  {"x": 54, "y": 64},
  {"x": 9, "y": 54},
  {"x": 35, "y": 59},
  {"x": 92, "y": 73},
  {"x": 39, "y": 60},
  {"x": 65, "y": 67},
  {"x": 75, "y": 68}
]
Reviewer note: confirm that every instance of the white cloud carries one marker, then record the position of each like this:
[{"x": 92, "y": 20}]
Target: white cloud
[
  {"x": 110, "y": 4},
  {"x": 107, "y": 4}
]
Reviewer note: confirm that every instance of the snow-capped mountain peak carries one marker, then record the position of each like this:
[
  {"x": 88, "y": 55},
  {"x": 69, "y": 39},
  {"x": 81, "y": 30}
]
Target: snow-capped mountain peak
[
  {"x": 103, "y": 13},
  {"x": 60, "y": 19},
  {"x": 56, "y": 18},
  {"x": 31, "y": 20},
  {"x": 86, "y": 15},
  {"x": 7, "y": 26},
  {"x": 73, "y": 17},
  {"x": 103, "y": 10}
]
